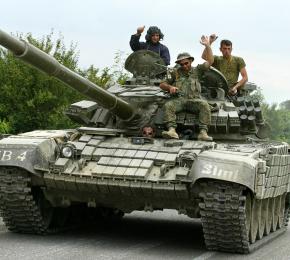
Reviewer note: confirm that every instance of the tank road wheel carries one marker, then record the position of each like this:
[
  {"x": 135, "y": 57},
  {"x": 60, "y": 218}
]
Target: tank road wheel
[
  {"x": 232, "y": 219},
  {"x": 269, "y": 216},
  {"x": 286, "y": 211},
  {"x": 248, "y": 212},
  {"x": 225, "y": 212},
  {"x": 255, "y": 219},
  {"x": 264, "y": 214},
  {"x": 281, "y": 215},
  {"x": 275, "y": 212},
  {"x": 53, "y": 218},
  {"x": 45, "y": 209}
]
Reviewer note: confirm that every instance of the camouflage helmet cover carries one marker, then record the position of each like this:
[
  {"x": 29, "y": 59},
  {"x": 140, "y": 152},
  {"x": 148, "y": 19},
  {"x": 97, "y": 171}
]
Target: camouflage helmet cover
[
  {"x": 182, "y": 56},
  {"x": 151, "y": 30}
]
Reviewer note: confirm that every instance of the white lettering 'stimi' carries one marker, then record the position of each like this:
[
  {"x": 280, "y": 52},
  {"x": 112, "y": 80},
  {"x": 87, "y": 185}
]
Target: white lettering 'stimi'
[{"x": 216, "y": 171}]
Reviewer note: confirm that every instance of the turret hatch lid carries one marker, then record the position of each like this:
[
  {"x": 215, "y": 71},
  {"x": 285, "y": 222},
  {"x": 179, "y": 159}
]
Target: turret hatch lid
[{"x": 145, "y": 63}]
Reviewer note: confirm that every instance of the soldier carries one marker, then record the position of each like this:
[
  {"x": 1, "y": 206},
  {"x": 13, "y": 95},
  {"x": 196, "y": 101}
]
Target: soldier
[
  {"x": 153, "y": 37},
  {"x": 231, "y": 66},
  {"x": 185, "y": 82}
]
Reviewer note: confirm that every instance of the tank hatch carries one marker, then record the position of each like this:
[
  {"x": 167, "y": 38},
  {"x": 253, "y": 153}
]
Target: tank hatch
[{"x": 145, "y": 63}]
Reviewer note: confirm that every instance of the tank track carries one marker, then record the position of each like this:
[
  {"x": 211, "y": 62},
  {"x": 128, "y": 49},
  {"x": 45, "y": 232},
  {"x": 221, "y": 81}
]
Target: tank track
[
  {"x": 224, "y": 220},
  {"x": 18, "y": 207}
]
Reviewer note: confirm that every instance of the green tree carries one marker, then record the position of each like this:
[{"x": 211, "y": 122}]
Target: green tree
[
  {"x": 285, "y": 105},
  {"x": 30, "y": 99},
  {"x": 279, "y": 120},
  {"x": 5, "y": 127},
  {"x": 257, "y": 94},
  {"x": 97, "y": 76},
  {"x": 119, "y": 73}
]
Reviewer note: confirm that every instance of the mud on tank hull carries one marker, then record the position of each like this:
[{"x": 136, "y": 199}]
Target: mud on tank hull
[{"x": 239, "y": 191}]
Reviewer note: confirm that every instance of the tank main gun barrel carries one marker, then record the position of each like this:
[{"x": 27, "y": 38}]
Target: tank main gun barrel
[{"x": 52, "y": 67}]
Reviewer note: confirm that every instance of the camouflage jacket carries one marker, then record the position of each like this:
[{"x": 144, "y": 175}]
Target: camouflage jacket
[{"x": 187, "y": 83}]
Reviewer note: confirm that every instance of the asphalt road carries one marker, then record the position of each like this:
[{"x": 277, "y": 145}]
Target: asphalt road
[{"x": 160, "y": 235}]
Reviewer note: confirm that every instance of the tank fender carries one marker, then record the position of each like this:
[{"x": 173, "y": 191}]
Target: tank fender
[
  {"x": 29, "y": 154},
  {"x": 228, "y": 167}
]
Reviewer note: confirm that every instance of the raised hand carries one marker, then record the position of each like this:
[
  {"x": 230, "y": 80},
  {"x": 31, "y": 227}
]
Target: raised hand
[
  {"x": 140, "y": 29},
  {"x": 212, "y": 38},
  {"x": 204, "y": 40}
]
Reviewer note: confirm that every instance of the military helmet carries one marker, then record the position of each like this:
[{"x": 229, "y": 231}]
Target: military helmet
[
  {"x": 151, "y": 31},
  {"x": 182, "y": 56}
]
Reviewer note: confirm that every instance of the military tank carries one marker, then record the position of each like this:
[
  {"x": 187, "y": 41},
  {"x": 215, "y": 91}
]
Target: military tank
[{"x": 118, "y": 162}]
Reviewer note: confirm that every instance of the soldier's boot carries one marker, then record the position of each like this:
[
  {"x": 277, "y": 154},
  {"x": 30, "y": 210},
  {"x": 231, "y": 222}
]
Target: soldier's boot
[
  {"x": 203, "y": 136},
  {"x": 171, "y": 133}
]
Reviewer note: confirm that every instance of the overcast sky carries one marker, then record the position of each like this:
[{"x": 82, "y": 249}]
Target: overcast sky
[{"x": 259, "y": 30}]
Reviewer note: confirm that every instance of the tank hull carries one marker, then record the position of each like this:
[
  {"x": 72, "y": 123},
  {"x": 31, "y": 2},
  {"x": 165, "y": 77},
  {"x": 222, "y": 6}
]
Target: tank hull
[{"x": 210, "y": 181}]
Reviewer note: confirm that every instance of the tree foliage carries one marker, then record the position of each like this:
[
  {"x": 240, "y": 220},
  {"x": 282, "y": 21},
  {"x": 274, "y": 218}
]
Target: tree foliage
[
  {"x": 257, "y": 94},
  {"x": 279, "y": 120},
  {"x": 277, "y": 116},
  {"x": 285, "y": 105},
  {"x": 30, "y": 99}
]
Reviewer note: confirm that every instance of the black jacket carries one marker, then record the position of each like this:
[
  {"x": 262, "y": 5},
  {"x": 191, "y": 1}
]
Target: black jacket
[{"x": 159, "y": 48}]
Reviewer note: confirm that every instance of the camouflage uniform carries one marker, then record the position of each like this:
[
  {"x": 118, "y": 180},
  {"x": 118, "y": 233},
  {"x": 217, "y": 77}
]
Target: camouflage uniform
[
  {"x": 230, "y": 68},
  {"x": 189, "y": 99}
]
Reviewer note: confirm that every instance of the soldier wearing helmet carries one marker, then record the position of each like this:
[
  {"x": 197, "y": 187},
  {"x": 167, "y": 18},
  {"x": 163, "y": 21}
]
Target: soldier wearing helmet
[
  {"x": 153, "y": 37},
  {"x": 184, "y": 81}
]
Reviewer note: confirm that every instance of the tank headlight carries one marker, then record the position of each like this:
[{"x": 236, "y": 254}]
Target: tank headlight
[{"x": 67, "y": 152}]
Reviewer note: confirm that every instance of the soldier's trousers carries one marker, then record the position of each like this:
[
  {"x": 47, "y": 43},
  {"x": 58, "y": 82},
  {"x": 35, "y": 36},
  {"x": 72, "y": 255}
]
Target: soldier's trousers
[{"x": 197, "y": 106}]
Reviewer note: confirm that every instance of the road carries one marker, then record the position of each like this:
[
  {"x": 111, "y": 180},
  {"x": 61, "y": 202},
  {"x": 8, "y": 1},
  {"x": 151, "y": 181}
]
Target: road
[{"x": 160, "y": 235}]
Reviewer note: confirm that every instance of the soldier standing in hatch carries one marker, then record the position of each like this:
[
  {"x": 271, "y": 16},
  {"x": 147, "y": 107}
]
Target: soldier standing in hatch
[
  {"x": 185, "y": 82},
  {"x": 229, "y": 65},
  {"x": 153, "y": 37}
]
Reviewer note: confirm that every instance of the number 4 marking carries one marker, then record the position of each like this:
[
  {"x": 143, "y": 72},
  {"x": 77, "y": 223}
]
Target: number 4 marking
[{"x": 22, "y": 156}]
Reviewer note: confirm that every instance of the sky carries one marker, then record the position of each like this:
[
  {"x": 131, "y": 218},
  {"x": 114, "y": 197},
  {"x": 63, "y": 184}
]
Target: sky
[{"x": 259, "y": 30}]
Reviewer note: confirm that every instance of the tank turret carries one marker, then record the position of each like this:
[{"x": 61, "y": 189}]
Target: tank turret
[{"x": 139, "y": 102}]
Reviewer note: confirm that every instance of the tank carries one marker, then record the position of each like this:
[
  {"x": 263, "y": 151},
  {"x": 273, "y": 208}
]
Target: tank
[{"x": 117, "y": 161}]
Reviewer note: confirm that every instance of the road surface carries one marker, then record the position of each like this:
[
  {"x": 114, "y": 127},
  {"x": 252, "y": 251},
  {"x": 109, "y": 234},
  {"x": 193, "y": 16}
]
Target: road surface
[{"x": 159, "y": 235}]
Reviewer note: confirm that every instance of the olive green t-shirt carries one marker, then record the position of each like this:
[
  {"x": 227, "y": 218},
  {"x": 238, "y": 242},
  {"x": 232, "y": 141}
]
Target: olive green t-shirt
[
  {"x": 230, "y": 68},
  {"x": 187, "y": 83}
]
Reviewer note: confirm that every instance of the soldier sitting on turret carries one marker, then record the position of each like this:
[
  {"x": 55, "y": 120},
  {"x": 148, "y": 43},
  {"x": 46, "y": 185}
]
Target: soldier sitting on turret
[
  {"x": 184, "y": 82},
  {"x": 153, "y": 37}
]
